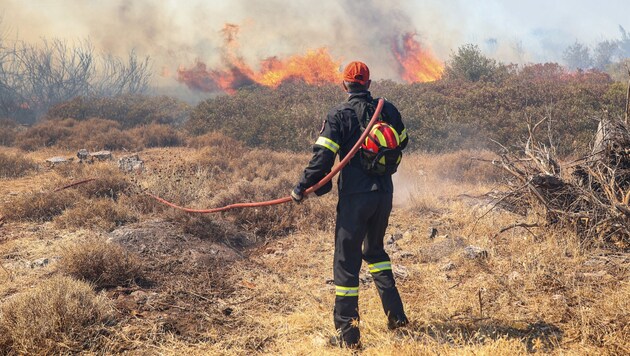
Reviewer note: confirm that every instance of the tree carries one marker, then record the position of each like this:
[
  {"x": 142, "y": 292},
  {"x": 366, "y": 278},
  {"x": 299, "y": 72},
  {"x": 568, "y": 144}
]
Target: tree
[
  {"x": 578, "y": 56},
  {"x": 35, "y": 77},
  {"x": 624, "y": 43},
  {"x": 470, "y": 64},
  {"x": 605, "y": 53}
]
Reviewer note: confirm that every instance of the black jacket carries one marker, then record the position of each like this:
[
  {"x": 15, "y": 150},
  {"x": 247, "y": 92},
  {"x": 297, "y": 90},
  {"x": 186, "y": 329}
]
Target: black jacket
[{"x": 340, "y": 132}]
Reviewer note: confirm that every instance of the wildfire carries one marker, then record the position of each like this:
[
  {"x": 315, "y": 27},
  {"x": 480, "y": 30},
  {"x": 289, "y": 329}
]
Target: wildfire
[
  {"x": 315, "y": 67},
  {"x": 417, "y": 64}
]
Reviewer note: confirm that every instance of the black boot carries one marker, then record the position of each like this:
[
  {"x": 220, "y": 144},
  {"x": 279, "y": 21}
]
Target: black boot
[
  {"x": 396, "y": 322},
  {"x": 337, "y": 341}
]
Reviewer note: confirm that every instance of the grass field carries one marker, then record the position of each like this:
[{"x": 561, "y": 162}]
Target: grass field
[{"x": 102, "y": 268}]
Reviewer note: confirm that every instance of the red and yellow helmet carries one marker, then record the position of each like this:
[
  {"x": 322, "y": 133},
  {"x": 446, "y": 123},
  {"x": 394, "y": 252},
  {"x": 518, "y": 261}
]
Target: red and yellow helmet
[{"x": 381, "y": 135}]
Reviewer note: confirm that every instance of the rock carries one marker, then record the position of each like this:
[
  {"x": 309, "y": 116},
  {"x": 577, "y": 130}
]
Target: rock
[
  {"x": 392, "y": 247},
  {"x": 101, "y": 155},
  {"x": 83, "y": 154},
  {"x": 514, "y": 276},
  {"x": 40, "y": 262},
  {"x": 559, "y": 297},
  {"x": 595, "y": 275},
  {"x": 140, "y": 297},
  {"x": 404, "y": 254},
  {"x": 475, "y": 252},
  {"x": 397, "y": 236},
  {"x": 432, "y": 232},
  {"x": 53, "y": 161},
  {"x": 400, "y": 271},
  {"x": 131, "y": 163},
  {"x": 449, "y": 266}
]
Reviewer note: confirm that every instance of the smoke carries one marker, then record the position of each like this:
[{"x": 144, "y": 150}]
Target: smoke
[{"x": 175, "y": 33}]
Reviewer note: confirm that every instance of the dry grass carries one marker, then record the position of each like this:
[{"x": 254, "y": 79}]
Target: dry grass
[
  {"x": 60, "y": 315},
  {"x": 541, "y": 290},
  {"x": 38, "y": 206},
  {"x": 93, "y": 134},
  {"x": 98, "y": 214},
  {"x": 110, "y": 182},
  {"x": 156, "y": 135},
  {"x": 15, "y": 166},
  {"x": 104, "y": 264},
  {"x": 8, "y": 131}
]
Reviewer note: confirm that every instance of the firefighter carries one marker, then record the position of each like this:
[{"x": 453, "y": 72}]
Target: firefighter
[{"x": 364, "y": 206}]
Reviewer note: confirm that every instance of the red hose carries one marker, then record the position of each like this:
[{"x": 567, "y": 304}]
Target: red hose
[{"x": 321, "y": 183}]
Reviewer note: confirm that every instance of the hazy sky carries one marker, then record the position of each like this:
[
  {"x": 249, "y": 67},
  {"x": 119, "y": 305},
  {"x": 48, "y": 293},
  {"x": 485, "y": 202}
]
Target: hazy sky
[{"x": 177, "y": 33}]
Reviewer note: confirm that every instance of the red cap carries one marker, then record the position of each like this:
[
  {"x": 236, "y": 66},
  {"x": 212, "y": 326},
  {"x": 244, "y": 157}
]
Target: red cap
[{"x": 357, "y": 72}]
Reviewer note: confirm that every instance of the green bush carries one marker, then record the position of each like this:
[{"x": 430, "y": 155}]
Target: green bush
[
  {"x": 446, "y": 115},
  {"x": 285, "y": 118}
]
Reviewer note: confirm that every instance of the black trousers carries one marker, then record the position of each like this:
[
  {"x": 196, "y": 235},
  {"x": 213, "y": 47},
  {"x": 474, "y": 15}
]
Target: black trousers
[{"x": 361, "y": 223}]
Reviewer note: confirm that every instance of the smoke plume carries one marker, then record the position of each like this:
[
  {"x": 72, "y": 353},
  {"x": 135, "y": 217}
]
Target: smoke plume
[{"x": 175, "y": 33}]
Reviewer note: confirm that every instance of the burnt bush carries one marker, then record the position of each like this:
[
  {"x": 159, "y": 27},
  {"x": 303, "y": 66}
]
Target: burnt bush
[{"x": 128, "y": 110}]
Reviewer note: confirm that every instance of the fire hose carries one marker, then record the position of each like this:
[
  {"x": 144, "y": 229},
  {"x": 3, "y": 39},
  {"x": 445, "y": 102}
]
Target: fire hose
[{"x": 321, "y": 183}]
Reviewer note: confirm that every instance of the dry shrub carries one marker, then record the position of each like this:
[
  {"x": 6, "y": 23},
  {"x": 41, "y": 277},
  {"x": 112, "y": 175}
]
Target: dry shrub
[
  {"x": 93, "y": 134},
  {"x": 129, "y": 110},
  {"x": 104, "y": 214},
  {"x": 101, "y": 263},
  {"x": 277, "y": 220},
  {"x": 216, "y": 161},
  {"x": 462, "y": 166},
  {"x": 141, "y": 204},
  {"x": 156, "y": 135},
  {"x": 8, "y": 132},
  {"x": 60, "y": 315},
  {"x": 218, "y": 153},
  {"x": 45, "y": 134},
  {"x": 216, "y": 139},
  {"x": 98, "y": 134},
  {"x": 38, "y": 206},
  {"x": 14, "y": 166},
  {"x": 209, "y": 226},
  {"x": 269, "y": 165},
  {"x": 110, "y": 182}
]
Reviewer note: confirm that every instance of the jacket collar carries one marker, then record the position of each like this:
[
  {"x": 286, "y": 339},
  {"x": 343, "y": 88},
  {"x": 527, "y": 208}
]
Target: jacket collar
[{"x": 361, "y": 95}]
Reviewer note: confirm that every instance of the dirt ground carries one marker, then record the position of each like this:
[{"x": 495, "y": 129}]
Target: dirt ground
[{"x": 526, "y": 290}]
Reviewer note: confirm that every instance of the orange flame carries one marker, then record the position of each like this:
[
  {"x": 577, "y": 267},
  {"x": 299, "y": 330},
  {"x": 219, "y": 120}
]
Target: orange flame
[
  {"x": 316, "y": 67},
  {"x": 417, "y": 64}
]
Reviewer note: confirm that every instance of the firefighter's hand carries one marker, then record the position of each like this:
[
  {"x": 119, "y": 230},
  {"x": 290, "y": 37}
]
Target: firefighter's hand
[{"x": 297, "y": 194}]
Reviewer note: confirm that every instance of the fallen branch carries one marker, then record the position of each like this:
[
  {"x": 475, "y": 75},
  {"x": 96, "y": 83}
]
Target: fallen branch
[
  {"x": 525, "y": 225},
  {"x": 74, "y": 184}
]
